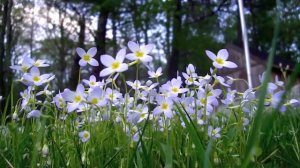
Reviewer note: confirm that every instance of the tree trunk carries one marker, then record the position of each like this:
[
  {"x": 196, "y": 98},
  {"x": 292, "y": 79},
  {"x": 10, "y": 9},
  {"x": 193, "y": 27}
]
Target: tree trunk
[
  {"x": 173, "y": 60},
  {"x": 75, "y": 68},
  {"x": 114, "y": 32},
  {"x": 62, "y": 53},
  {"x": 100, "y": 40},
  {"x": 2, "y": 47},
  {"x": 8, "y": 51}
]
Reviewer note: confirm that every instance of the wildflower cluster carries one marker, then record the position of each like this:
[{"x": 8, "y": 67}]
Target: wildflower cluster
[{"x": 201, "y": 98}]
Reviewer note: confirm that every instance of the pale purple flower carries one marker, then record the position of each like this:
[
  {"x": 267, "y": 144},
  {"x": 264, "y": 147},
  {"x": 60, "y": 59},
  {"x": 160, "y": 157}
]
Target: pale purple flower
[
  {"x": 34, "y": 114},
  {"x": 92, "y": 82},
  {"x": 87, "y": 57},
  {"x": 220, "y": 60},
  {"x": 84, "y": 136},
  {"x": 96, "y": 97},
  {"x": 35, "y": 77},
  {"x": 214, "y": 133},
  {"x": 165, "y": 106},
  {"x": 139, "y": 53},
  {"x": 74, "y": 98},
  {"x": 113, "y": 65},
  {"x": 155, "y": 74}
]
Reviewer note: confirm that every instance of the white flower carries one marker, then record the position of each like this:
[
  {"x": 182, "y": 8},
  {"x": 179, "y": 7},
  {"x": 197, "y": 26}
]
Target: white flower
[
  {"x": 27, "y": 63},
  {"x": 155, "y": 74},
  {"x": 219, "y": 61},
  {"x": 74, "y": 98},
  {"x": 35, "y": 77},
  {"x": 34, "y": 114},
  {"x": 140, "y": 52},
  {"x": 164, "y": 106},
  {"x": 84, "y": 136},
  {"x": 113, "y": 95},
  {"x": 59, "y": 101},
  {"x": 87, "y": 57},
  {"x": 173, "y": 87},
  {"x": 96, "y": 97},
  {"x": 40, "y": 63},
  {"x": 113, "y": 65},
  {"x": 214, "y": 133},
  {"x": 92, "y": 82},
  {"x": 135, "y": 85}
]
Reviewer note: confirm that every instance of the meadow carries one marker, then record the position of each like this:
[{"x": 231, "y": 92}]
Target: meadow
[{"x": 188, "y": 121}]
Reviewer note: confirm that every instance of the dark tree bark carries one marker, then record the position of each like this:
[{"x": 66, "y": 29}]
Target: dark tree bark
[
  {"x": 114, "y": 32},
  {"x": 75, "y": 68},
  {"x": 173, "y": 60},
  {"x": 100, "y": 40},
  {"x": 62, "y": 53},
  {"x": 7, "y": 6},
  {"x": 8, "y": 51}
]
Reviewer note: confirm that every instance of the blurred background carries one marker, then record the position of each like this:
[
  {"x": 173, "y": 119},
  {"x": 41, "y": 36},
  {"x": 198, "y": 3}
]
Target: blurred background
[{"x": 180, "y": 29}]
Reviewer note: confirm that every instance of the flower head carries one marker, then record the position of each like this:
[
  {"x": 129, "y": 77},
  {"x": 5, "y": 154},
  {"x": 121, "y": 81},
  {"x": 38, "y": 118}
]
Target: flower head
[
  {"x": 84, "y": 136},
  {"x": 74, "y": 98},
  {"x": 113, "y": 65},
  {"x": 220, "y": 60},
  {"x": 35, "y": 77},
  {"x": 155, "y": 74},
  {"x": 87, "y": 57},
  {"x": 214, "y": 132},
  {"x": 140, "y": 52}
]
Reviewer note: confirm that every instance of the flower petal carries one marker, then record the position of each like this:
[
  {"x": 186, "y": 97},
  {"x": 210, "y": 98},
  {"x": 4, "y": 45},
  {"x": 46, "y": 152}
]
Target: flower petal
[
  {"x": 223, "y": 54},
  {"x": 34, "y": 71},
  {"x": 121, "y": 55},
  {"x": 133, "y": 46},
  {"x": 147, "y": 58},
  {"x": 93, "y": 62},
  {"x": 229, "y": 64},
  {"x": 147, "y": 48},
  {"x": 80, "y": 51},
  {"x": 92, "y": 51},
  {"x": 211, "y": 55},
  {"x": 82, "y": 62},
  {"x": 106, "y": 72},
  {"x": 107, "y": 60},
  {"x": 131, "y": 56},
  {"x": 123, "y": 67},
  {"x": 80, "y": 89},
  {"x": 72, "y": 106}
]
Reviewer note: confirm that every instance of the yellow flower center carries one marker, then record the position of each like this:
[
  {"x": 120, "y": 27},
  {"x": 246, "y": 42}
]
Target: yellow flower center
[
  {"x": 175, "y": 90},
  {"x": 203, "y": 101},
  {"x": 111, "y": 96},
  {"x": 77, "y": 99},
  {"x": 115, "y": 65},
  {"x": 86, "y": 135},
  {"x": 24, "y": 69},
  {"x": 220, "y": 61},
  {"x": 139, "y": 54},
  {"x": 93, "y": 83},
  {"x": 86, "y": 57},
  {"x": 209, "y": 94},
  {"x": 190, "y": 79},
  {"x": 37, "y": 64},
  {"x": 94, "y": 101},
  {"x": 36, "y": 78},
  {"x": 164, "y": 106}
]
